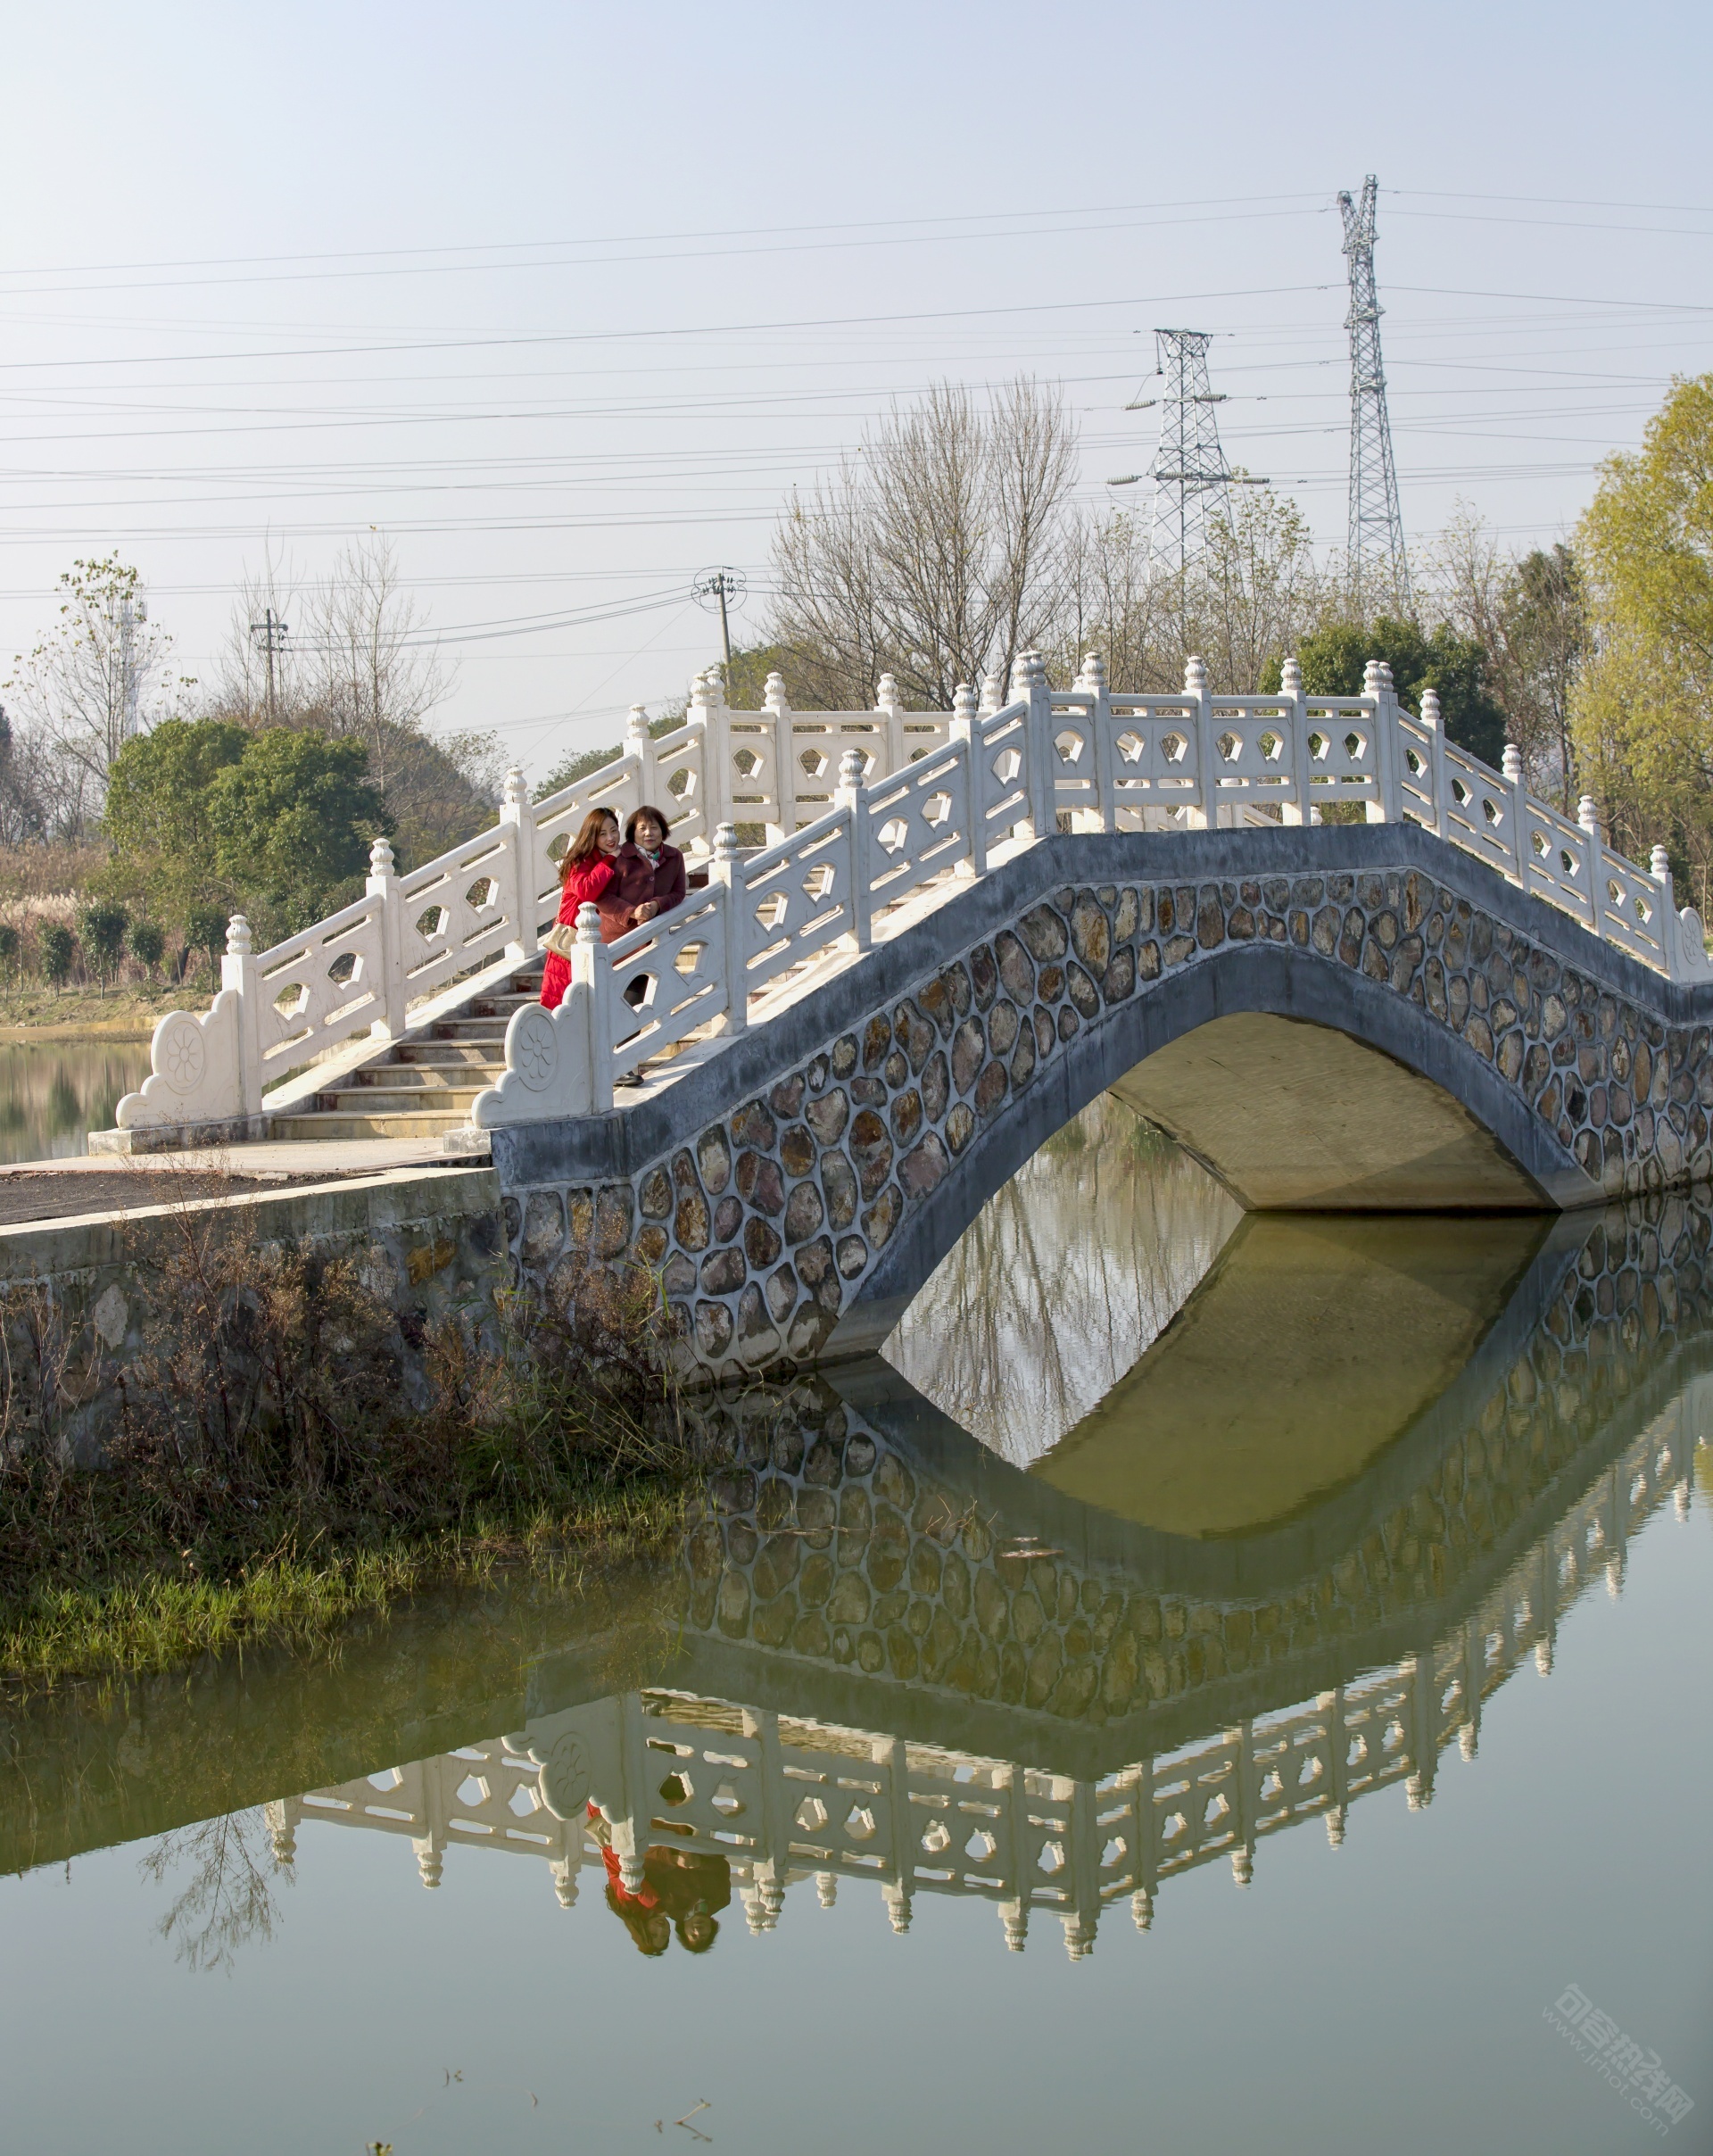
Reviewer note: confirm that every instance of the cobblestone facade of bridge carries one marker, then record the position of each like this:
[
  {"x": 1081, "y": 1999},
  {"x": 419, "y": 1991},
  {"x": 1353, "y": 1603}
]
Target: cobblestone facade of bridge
[{"x": 809, "y": 1207}]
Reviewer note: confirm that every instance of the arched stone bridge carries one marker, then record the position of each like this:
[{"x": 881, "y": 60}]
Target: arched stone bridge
[{"x": 1360, "y": 1017}]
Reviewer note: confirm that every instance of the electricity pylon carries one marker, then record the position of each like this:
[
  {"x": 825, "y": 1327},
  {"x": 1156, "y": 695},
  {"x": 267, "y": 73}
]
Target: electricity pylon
[
  {"x": 1192, "y": 481},
  {"x": 1378, "y": 565}
]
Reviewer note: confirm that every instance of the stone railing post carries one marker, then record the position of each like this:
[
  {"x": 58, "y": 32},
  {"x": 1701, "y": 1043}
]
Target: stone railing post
[
  {"x": 638, "y": 742},
  {"x": 1207, "y": 754},
  {"x": 708, "y": 713},
  {"x": 1512, "y": 765},
  {"x": 891, "y": 713},
  {"x": 1101, "y": 756},
  {"x": 238, "y": 971},
  {"x": 517, "y": 814},
  {"x": 593, "y": 976},
  {"x": 1296, "y": 741},
  {"x": 993, "y": 692},
  {"x": 383, "y": 884},
  {"x": 965, "y": 719},
  {"x": 1436, "y": 733},
  {"x": 1374, "y": 686},
  {"x": 725, "y": 870},
  {"x": 848, "y": 796},
  {"x": 1594, "y": 849},
  {"x": 1671, "y": 938},
  {"x": 1389, "y": 753},
  {"x": 1029, "y": 686},
  {"x": 785, "y": 764}
]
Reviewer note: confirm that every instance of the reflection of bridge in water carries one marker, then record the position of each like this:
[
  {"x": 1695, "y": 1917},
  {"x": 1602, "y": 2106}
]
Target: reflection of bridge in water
[{"x": 901, "y": 1659}]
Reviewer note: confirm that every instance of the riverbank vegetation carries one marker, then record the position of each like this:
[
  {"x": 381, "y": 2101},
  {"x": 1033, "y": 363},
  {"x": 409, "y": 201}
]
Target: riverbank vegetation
[{"x": 282, "y": 1451}]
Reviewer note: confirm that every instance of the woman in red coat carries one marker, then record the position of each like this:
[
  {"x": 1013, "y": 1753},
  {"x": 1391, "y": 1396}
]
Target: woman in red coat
[{"x": 585, "y": 874}]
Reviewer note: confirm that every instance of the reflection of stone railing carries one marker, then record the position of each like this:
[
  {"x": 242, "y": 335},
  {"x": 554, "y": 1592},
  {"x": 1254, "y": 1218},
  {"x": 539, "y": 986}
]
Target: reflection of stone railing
[
  {"x": 781, "y": 1799},
  {"x": 861, "y": 810}
]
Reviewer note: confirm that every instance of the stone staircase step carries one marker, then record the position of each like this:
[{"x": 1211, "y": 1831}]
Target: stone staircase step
[
  {"x": 330, "y": 1124},
  {"x": 443, "y": 1055},
  {"x": 399, "y": 1101},
  {"x": 424, "y": 1078},
  {"x": 492, "y": 1030}
]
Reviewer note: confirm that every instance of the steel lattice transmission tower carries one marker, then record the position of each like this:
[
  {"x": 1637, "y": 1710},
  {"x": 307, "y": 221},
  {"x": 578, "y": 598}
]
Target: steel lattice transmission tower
[
  {"x": 1377, "y": 562},
  {"x": 1192, "y": 481}
]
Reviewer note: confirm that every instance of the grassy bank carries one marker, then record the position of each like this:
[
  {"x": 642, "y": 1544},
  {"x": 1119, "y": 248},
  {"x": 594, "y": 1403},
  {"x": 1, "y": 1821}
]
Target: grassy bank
[
  {"x": 32, "y": 1012},
  {"x": 285, "y": 1457}
]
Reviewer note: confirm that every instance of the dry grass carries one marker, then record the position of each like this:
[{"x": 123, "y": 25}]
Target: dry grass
[{"x": 285, "y": 1456}]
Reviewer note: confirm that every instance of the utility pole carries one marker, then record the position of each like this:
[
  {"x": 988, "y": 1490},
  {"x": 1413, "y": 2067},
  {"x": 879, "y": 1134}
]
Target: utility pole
[
  {"x": 1192, "y": 480},
  {"x": 272, "y": 632},
  {"x": 720, "y": 586},
  {"x": 1376, "y": 542}
]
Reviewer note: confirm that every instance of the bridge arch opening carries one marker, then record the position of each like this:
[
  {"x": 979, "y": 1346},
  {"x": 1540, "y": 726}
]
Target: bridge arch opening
[{"x": 1296, "y": 1116}]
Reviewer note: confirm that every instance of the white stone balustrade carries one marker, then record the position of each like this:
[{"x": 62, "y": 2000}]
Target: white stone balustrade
[{"x": 861, "y": 810}]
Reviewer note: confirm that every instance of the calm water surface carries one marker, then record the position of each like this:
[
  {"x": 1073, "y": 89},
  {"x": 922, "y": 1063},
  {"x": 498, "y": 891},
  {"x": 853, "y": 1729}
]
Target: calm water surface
[
  {"x": 53, "y": 1093},
  {"x": 1217, "y": 1686}
]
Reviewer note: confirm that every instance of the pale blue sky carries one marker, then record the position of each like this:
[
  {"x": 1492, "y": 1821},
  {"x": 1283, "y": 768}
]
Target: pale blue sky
[{"x": 635, "y": 273}]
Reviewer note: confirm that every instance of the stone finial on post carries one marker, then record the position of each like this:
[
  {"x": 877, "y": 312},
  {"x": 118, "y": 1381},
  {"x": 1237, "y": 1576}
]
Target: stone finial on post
[
  {"x": 725, "y": 870},
  {"x": 785, "y": 764},
  {"x": 590, "y": 973},
  {"x": 382, "y": 884},
  {"x": 965, "y": 719},
  {"x": 1296, "y": 733},
  {"x": 1436, "y": 733},
  {"x": 1671, "y": 940},
  {"x": 1373, "y": 681},
  {"x": 848, "y": 796},
  {"x": 638, "y": 743},
  {"x": 522, "y": 902},
  {"x": 238, "y": 971},
  {"x": 885, "y": 702},
  {"x": 1205, "y": 817},
  {"x": 1512, "y": 766},
  {"x": 1029, "y": 686},
  {"x": 1388, "y": 752},
  {"x": 993, "y": 692},
  {"x": 708, "y": 713},
  {"x": 1593, "y": 851},
  {"x": 1102, "y": 756}
]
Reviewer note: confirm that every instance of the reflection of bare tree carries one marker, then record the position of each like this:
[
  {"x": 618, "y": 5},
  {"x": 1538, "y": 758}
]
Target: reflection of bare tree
[
  {"x": 1061, "y": 1281},
  {"x": 229, "y": 1896}
]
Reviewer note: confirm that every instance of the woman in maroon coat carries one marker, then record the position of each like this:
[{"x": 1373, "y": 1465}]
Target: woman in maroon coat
[{"x": 647, "y": 876}]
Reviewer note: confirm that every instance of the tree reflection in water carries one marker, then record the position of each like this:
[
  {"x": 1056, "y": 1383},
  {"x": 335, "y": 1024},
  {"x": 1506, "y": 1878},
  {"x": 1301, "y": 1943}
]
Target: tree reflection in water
[
  {"x": 1063, "y": 1279},
  {"x": 231, "y": 1894}
]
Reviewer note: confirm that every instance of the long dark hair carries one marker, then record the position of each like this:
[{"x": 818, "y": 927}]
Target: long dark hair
[
  {"x": 586, "y": 845},
  {"x": 635, "y": 817}
]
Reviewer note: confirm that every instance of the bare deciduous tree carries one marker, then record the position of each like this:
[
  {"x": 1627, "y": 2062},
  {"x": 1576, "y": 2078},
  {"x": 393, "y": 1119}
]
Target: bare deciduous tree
[
  {"x": 939, "y": 552},
  {"x": 101, "y": 675}
]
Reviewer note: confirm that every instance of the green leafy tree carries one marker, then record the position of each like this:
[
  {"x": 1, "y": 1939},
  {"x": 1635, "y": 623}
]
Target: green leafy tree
[
  {"x": 292, "y": 822},
  {"x": 9, "y": 943},
  {"x": 148, "y": 941},
  {"x": 1642, "y": 705},
  {"x": 102, "y": 926},
  {"x": 1454, "y": 666},
  {"x": 57, "y": 947}
]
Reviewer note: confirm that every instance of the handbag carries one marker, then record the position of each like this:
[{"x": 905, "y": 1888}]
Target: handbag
[{"x": 562, "y": 939}]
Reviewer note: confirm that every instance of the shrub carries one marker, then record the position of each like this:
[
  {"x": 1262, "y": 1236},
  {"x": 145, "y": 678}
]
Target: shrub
[{"x": 57, "y": 947}]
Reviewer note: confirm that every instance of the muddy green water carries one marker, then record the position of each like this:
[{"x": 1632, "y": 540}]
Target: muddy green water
[
  {"x": 53, "y": 1093},
  {"x": 1219, "y": 1684}
]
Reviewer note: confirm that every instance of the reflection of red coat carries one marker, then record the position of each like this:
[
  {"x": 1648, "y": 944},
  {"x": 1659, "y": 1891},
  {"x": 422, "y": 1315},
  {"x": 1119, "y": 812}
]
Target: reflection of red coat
[{"x": 583, "y": 887}]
